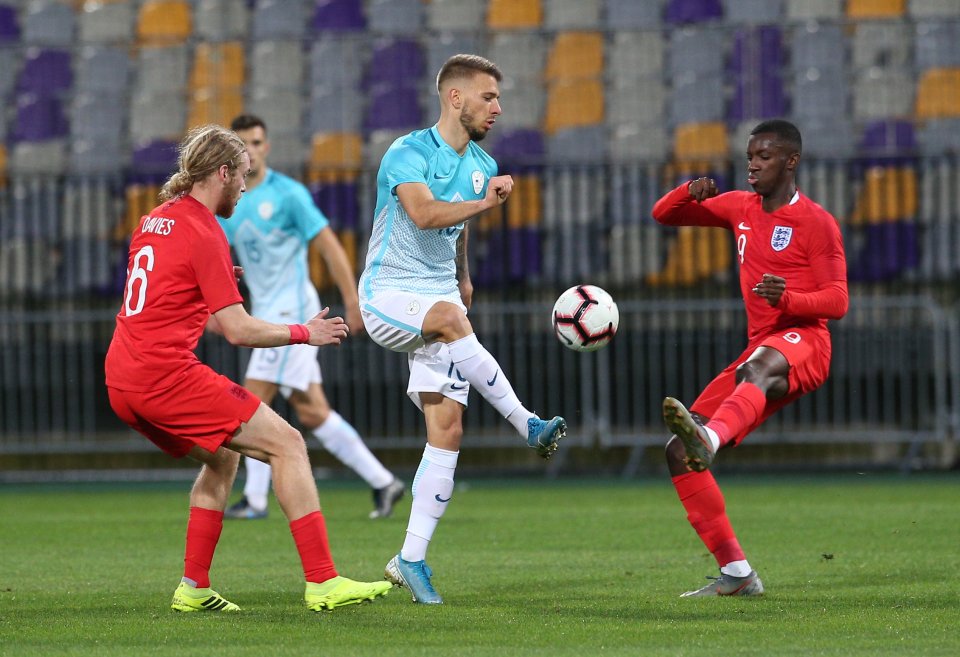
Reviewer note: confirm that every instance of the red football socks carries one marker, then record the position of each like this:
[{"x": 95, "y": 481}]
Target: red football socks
[
  {"x": 707, "y": 513},
  {"x": 310, "y": 536},
  {"x": 203, "y": 532},
  {"x": 739, "y": 414}
]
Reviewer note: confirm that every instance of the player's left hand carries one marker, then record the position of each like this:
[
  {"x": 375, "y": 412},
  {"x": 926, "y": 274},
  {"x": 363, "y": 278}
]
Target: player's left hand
[
  {"x": 237, "y": 272},
  {"x": 326, "y": 330},
  {"x": 770, "y": 288}
]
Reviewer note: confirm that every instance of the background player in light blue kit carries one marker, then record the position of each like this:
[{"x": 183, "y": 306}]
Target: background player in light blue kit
[
  {"x": 415, "y": 291},
  {"x": 272, "y": 229}
]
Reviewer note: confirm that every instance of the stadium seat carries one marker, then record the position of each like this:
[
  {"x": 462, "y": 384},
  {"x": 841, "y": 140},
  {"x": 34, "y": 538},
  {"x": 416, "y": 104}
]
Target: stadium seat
[
  {"x": 753, "y": 12},
  {"x": 756, "y": 61},
  {"x": 700, "y": 141},
  {"x": 520, "y": 55},
  {"x": 10, "y": 62},
  {"x": 334, "y": 109},
  {"x": 39, "y": 119},
  {"x": 932, "y": 8},
  {"x": 45, "y": 72},
  {"x": 277, "y": 65},
  {"x": 461, "y": 15},
  {"x": 634, "y": 55},
  {"x": 881, "y": 43},
  {"x": 937, "y": 44},
  {"x": 157, "y": 117},
  {"x": 153, "y": 160},
  {"x": 93, "y": 157},
  {"x": 218, "y": 66},
  {"x": 442, "y": 46},
  {"x": 105, "y": 22},
  {"x": 377, "y": 143},
  {"x": 395, "y": 62},
  {"x": 287, "y": 151},
  {"x": 819, "y": 94},
  {"x": 939, "y": 136},
  {"x": 213, "y": 105},
  {"x": 683, "y": 12},
  {"x": 164, "y": 22},
  {"x": 575, "y": 55},
  {"x": 759, "y": 98},
  {"x": 338, "y": 16},
  {"x": 393, "y": 108},
  {"x": 48, "y": 157},
  {"x": 820, "y": 46},
  {"x": 696, "y": 254},
  {"x": 3, "y": 165},
  {"x": 339, "y": 201},
  {"x": 572, "y": 104},
  {"x": 643, "y": 102},
  {"x": 583, "y": 144},
  {"x": 523, "y": 104},
  {"x": 282, "y": 110},
  {"x": 633, "y": 15},
  {"x": 9, "y": 25},
  {"x": 335, "y": 157},
  {"x": 810, "y": 10},
  {"x": 161, "y": 69},
  {"x": 514, "y": 14},
  {"x": 48, "y": 23},
  {"x": 102, "y": 69},
  {"x": 938, "y": 94},
  {"x": 278, "y": 19},
  {"x": 565, "y": 15},
  {"x": 221, "y": 20},
  {"x": 861, "y": 9},
  {"x": 879, "y": 93},
  {"x": 519, "y": 150},
  {"x": 697, "y": 100},
  {"x": 634, "y": 141},
  {"x": 699, "y": 51},
  {"x": 395, "y": 17},
  {"x": 98, "y": 116},
  {"x": 350, "y": 55},
  {"x": 828, "y": 136}
]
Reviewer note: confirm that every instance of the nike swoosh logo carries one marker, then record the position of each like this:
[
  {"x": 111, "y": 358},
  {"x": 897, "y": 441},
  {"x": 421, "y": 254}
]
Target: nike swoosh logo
[
  {"x": 494, "y": 379},
  {"x": 440, "y": 499},
  {"x": 440, "y": 176},
  {"x": 743, "y": 226},
  {"x": 454, "y": 386}
]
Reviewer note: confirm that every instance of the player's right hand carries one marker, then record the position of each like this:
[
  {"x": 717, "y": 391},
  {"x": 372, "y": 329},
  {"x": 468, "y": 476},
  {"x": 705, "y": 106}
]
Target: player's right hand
[
  {"x": 324, "y": 330},
  {"x": 498, "y": 189},
  {"x": 703, "y": 188}
]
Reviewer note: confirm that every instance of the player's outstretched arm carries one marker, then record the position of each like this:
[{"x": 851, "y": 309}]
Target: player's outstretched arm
[
  {"x": 338, "y": 264},
  {"x": 428, "y": 213},
  {"x": 243, "y": 330}
]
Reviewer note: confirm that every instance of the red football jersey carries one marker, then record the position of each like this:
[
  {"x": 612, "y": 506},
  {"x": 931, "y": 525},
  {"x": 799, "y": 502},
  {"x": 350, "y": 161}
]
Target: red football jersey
[
  {"x": 800, "y": 242},
  {"x": 178, "y": 272}
]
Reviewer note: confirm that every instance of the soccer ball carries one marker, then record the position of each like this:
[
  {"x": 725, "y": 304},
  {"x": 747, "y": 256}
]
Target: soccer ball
[{"x": 585, "y": 318}]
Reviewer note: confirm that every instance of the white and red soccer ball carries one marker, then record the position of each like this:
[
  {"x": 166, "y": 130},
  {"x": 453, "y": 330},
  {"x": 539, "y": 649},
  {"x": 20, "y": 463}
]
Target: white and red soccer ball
[{"x": 585, "y": 318}]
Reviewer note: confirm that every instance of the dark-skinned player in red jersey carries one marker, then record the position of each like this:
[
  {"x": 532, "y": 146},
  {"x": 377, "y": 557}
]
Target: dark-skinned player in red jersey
[{"x": 793, "y": 277}]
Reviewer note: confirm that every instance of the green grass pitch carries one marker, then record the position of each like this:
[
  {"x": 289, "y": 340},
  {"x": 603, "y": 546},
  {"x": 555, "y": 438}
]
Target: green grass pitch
[{"x": 853, "y": 564}]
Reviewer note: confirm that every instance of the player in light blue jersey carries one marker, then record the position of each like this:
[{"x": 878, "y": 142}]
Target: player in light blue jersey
[
  {"x": 271, "y": 230},
  {"x": 415, "y": 292}
]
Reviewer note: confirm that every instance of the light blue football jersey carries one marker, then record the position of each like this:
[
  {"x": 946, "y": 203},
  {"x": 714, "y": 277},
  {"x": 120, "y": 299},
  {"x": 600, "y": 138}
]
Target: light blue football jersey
[
  {"x": 401, "y": 256},
  {"x": 270, "y": 231}
]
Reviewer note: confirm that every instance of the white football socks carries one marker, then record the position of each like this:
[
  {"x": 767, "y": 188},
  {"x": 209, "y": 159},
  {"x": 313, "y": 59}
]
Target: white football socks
[
  {"x": 258, "y": 483},
  {"x": 737, "y": 568},
  {"x": 340, "y": 439},
  {"x": 432, "y": 489},
  {"x": 482, "y": 370}
]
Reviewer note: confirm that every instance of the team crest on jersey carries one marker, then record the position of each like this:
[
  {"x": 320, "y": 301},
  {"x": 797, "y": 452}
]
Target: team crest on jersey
[
  {"x": 265, "y": 210},
  {"x": 477, "y": 178},
  {"x": 781, "y": 237}
]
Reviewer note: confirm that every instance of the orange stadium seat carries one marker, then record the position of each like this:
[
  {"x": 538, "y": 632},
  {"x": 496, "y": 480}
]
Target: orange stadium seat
[
  {"x": 164, "y": 22},
  {"x": 573, "y": 104},
  {"x": 335, "y": 157},
  {"x": 888, "y": 194},
  {"x": 140, "y": 199},
  {"x": 575, "y": 55},
  {"x": 514, "y": 14},
  {"x": 700, "y": 141},
  {"x": 876, "y": 8},
  {"x": 938, "y": 93},
  {"x": 697, "y": 254},
  {"x": 214, "y": 106},
  {"x": 218, "y": 66},
  {"x": 3, "y": 165}
]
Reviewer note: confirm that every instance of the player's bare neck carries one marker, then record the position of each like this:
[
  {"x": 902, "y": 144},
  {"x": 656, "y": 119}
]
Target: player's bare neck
[
  {"x": 779, "y": 197},
  {"x": 453, "y": 134}
]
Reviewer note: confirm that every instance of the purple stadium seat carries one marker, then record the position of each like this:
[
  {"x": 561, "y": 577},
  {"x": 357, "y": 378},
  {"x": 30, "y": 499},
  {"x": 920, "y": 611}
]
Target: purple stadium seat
[
  {"x": 45, "y": 72},
  {"x": 762, "y": 98},
  {"x": 395, "y": 62},
  {"x": 681, "y": 12},
  {"x": 339, "y": 203},
  {"x": 39, "y": 118},
  {"x": 519, "y": 147},
  {"x": 756, "y": 59},
  {"x": 393, "y": 108},
  {"x": 757, "y": 51},
  {"x": 153, "y": 161},
  {"x": 888, "y": 142},
  {"x": 9, "y": 28},
  {"x": 338, "y": 16}
]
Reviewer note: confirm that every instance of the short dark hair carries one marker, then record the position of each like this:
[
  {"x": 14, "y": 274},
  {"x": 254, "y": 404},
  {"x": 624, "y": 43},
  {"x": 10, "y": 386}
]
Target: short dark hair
[
  {"x": 247, "y": 121},
  {"x": 784, "y": 130},
  {"x": 463, "y": 66}
]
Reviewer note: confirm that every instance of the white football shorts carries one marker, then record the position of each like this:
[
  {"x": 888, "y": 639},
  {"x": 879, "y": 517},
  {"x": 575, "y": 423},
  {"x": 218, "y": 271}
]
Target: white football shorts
[
  {"x": 293, "y": 367},
  {"x": 395, "y": 320}
]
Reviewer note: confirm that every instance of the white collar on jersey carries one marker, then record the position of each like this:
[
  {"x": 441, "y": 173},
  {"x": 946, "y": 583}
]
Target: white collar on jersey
[{"x": 796, "y": 197}]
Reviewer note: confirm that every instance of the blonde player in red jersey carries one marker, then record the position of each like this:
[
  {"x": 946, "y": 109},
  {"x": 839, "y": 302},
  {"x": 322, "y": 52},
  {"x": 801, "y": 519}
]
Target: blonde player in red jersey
[
  {"x": 179, "y": 272},
  {"x": 793, "y": 277}
]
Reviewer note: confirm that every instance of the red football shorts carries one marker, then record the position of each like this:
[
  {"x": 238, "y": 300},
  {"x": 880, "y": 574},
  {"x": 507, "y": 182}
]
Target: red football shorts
[
  {"x": 203, "y": 408},
  {"x": 807, "y": 350}
]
